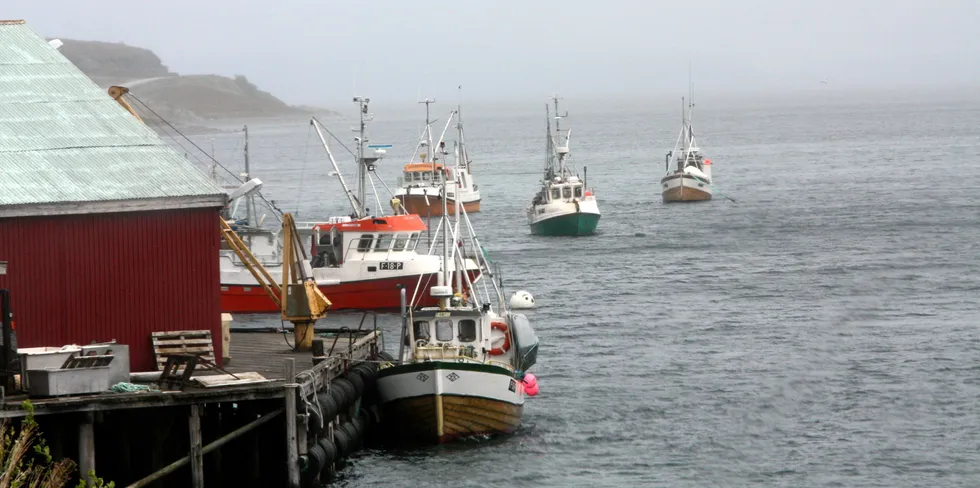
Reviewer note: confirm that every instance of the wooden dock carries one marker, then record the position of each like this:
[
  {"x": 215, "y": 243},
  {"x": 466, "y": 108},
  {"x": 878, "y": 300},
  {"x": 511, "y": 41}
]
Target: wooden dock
[{"x": 133, "y": 422}]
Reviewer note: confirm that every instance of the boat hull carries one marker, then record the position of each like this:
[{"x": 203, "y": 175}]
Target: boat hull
[
  {"x": 564, "y": 218},
  {"x": 380, "y": 294},
  {"x": 416, "y": 204},
  {"x": 435, "y": 402},
  {"x": 684, "y": 188},
  {"x": 573, "y": 224}
]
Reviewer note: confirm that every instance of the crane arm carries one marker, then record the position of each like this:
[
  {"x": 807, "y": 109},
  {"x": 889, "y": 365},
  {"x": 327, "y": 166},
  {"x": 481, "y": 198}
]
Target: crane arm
[{"x": 117, "y": 92}]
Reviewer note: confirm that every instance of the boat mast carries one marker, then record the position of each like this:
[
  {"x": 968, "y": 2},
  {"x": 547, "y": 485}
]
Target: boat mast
[
  {"x": 561, "y": 154},
  {"x": 428, "y": 136},
  {"x": 361, "y": 163},
  {"x": 444, "y": 279},
  {"x": 350, "y": 195},
  {"x": 460, "y": 263},
  {"x": 249, "y": 200},
  {"x": 685, "y": 137},
  {"x": 549, "y": 163}
]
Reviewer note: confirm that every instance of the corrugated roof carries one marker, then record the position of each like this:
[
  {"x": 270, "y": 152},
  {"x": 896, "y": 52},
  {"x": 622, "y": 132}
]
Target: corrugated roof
[{"x": 64, "y": 140}]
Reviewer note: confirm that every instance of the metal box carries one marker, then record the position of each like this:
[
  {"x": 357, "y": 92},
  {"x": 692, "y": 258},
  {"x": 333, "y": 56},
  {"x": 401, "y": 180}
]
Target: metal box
[
  {"x": 119, "y": 367},
  {"x": 297, "y": 305},
  {"x": 42, "y": 358},
  {"x": 76, "y": 381}
]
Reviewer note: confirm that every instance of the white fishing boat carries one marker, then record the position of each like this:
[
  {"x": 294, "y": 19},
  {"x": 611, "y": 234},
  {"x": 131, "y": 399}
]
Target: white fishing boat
[
  {"x": 462, "y": 370},
  {"x": 688, "y": 177},
  {"x": 565, "y": 205},
  {"x": 358, "y": 260},
  {"x": 420, "y": 186}
]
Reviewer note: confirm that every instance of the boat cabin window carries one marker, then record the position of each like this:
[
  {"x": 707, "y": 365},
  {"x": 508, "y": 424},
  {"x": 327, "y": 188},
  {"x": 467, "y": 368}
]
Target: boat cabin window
[
  {"x": 324, "y": 239},
  {"x": 566, "y": 192},
  {"x": 578, "y": 192},
  {"x": 421, "y": 330},
  {"x": 444, "y": 330},
  {"x": 555, "y": 193},
  {"x": 383, "y": 243},
  {"x": 437, "y": 177},
  {"x": 467, "y": 330},
  {"x": 413, "y": 241},
  {"x": 425, "y": 176},
  {"x": 364, "y": 244},
  {"x": 408, "y": 176},
  {"x": 400, "y": 241}
]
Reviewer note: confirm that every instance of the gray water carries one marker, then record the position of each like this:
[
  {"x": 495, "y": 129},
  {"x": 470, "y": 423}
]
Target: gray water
[{"x": 822, "y": 331}]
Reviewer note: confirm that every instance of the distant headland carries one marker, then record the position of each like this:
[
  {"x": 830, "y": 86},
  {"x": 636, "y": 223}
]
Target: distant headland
[{"x": 184, "y": 99}]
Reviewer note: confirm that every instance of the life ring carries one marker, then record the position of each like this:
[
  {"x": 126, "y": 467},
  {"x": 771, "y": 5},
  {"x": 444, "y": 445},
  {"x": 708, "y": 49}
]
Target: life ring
[{"x": 497, "y": 351}]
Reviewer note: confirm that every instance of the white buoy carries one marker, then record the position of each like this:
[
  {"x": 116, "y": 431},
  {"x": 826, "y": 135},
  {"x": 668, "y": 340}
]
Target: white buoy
[{"x": 521, "y": 300}]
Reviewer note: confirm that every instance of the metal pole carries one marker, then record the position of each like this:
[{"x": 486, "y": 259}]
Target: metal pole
[
  {"x": 404, "y": 308},
  {"x": 174, "y": 466},
  {"x": 8, "y": 346},
  {"x": 292, "y": 450}
]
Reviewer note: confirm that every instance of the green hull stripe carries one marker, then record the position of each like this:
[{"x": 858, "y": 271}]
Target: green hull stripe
[{"x": 573, "y": 224}]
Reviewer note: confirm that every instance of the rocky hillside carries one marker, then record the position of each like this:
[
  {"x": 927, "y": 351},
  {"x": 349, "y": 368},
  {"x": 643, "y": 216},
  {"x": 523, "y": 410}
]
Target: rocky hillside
[{"x": 178, "y": 98}]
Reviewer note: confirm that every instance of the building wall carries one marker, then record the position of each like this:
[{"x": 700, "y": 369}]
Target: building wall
[{"x": 84, "y": 278}]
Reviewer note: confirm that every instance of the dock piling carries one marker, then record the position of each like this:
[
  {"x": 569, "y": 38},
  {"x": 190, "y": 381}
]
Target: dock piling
[
  {"x": 174, "y": 466},
  {"x": 86, "y": 445},
  {"x": 196, "y": 455}
]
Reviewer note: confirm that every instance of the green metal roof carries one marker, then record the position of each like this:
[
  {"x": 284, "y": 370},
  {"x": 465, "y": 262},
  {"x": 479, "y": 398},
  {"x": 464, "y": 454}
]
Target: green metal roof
[{"x": 64, "y": 140}]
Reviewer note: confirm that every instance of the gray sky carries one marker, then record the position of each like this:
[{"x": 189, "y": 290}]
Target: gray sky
[{"x": 312, "y": 51}]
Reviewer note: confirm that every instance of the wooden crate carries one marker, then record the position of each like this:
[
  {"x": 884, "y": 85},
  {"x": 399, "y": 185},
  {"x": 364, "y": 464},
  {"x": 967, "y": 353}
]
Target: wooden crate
[{"x": 181, "y": 342}]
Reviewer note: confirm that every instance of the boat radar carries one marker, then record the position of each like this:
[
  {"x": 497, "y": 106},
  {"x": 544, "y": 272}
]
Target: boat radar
[{"x": 441, "y": 291}]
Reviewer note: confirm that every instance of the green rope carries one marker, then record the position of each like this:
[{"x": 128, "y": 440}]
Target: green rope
[
  {"x": 123, "y": 387},
  {"x": 486, "y": 254},
  {"x": 713, "y": 188}
]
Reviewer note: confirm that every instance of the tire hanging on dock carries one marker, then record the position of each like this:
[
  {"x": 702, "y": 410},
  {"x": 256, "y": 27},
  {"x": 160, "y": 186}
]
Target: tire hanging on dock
[
  {"x": 349, "y": 394},
  {"x": 343, "y": 442},
  {"x": 357, "y": 381}
]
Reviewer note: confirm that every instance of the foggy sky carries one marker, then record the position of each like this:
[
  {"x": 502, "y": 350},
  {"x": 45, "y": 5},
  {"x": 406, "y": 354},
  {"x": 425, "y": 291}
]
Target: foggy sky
[{"x": 315, "y": 51}]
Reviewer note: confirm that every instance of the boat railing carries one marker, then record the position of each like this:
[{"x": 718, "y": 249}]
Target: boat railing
[
  {"x": 451, "y": 352},
  {"x": 355, "y": 333}
]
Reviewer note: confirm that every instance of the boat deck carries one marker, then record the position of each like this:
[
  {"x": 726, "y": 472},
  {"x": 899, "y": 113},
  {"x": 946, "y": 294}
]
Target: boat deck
[{"x": 262, "y": 352}]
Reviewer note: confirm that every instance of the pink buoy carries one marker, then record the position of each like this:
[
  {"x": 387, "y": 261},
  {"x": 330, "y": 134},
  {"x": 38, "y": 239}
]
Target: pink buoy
[
  {"x": 529, "y": 380},
  {"x": 531, "y": 391}
]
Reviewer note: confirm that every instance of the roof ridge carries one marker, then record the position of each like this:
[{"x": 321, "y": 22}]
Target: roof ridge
[{"x": 11, "y": 22}]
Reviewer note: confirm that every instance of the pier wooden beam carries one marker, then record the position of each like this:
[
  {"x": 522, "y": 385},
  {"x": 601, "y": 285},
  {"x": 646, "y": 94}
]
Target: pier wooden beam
[
  {"x": 86, "y": 445},
  {"x": 197, "y": 455},
  {"x": 292, "y": 451},
  {"x": 174, "y": 466},
  {"x": 302, "y": 426}
]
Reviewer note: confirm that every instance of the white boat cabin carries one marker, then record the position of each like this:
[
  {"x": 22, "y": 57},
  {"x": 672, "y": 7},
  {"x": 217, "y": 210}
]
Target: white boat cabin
[
  {"x": 558, "y": 190},
  {"x": 371, "y": 239}
]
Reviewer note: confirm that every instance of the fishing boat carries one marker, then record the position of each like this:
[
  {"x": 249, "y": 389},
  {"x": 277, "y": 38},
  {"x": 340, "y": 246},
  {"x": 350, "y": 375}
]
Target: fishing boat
[
  {"x": 688, "y": 177},
  {"x": 420, "y": 186},
  {"x": 358, "y": 260},
  {"x": 565, "y": 205},
  {"x": 462, "y": 368}
]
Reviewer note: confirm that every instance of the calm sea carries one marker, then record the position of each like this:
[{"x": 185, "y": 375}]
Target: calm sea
[{"x": 822, "y": 331}]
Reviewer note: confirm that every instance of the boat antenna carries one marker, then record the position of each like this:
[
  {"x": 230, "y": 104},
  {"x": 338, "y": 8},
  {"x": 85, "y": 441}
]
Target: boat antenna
[{"x": 428, "y": 130}]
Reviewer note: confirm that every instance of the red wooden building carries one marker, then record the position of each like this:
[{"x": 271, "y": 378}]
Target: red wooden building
[{"x": 105, "y": 231}]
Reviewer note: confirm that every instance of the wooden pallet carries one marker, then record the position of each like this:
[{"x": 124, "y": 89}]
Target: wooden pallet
[{"x": 181, "y": 342}]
